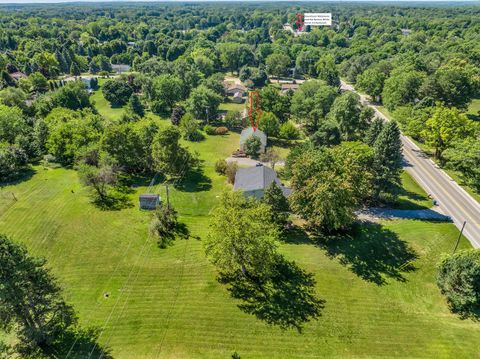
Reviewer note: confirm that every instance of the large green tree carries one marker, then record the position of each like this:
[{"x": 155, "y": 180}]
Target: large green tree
[
  {"x": 347, "y": 112},
  {"x": 459, "y": 280},
  {"x": 402, "y": 88},
  {"x": 169, "y": 157},
  {"x": 117, "y": 92},
  {"x": 446, "y": 126},
  {"x": 330, "y": 184},
  {"x": 278, "y": 64},
  {"x": 69, "y": 131},
  {"x": 31, "y": 300},
  {"x": 464, "y": 157},
  {"x": 311, "y": 103},
  {"x": 327, "y": 70},
  {"x": 203, "y": 103},
  {"x": 372, "y": 81},
  {"x": 242, "y": 237}
]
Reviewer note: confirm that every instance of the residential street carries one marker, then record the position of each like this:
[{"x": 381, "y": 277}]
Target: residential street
[{"x": 453, "y": 200}]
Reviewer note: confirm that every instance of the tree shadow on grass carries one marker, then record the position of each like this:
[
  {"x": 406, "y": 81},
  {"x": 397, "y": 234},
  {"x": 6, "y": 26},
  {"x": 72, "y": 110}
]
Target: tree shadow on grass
[
  {"x": 116, "y": 200},
  {"x": 409, "y": 199},
  {"x": 471, "y": 313},
  {"x": 22, "y": 176},
  {"x": 195, "y": 181},
  {"x": 372, "y": 252},
  {"x": 287, "y": 298},
  {"x": 180, "y": 231},
  {"x": 80, "y": 343}
]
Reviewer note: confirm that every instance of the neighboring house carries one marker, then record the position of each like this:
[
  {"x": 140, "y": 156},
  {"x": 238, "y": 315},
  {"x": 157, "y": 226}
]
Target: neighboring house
[
  {"x": 120, "y": 69},
  {"x": 149, "y": 201},
  {"x": 17, "y": 75},
  {"x": 231, "y": 90},
  {"x": 238, "y": 97},
  {"x": 249, "y": 131},
  {"x": 87, "y": 81},
  {"x": 288, "y": 87},
  {"x": 254, "y": 180}
]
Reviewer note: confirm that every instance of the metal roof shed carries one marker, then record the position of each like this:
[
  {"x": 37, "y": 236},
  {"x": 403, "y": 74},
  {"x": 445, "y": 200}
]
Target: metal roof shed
[{"x": 149, "y": 201}]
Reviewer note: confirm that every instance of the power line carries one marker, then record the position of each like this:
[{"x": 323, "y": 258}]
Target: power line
[
  {"x": 108, "y": 282},
  {"x": 174, "y": 302},
  {"x": 125, "y": 305},
  {"x": 118, "y": 299}
]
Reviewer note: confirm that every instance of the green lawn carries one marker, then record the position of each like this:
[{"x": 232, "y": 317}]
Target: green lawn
[
  {"x": 231, "y": 106},
  {"x": 168, "y": 302},
  {"x": 474, "y": 108},
  {"x": 412, "y": 196},
  {"x": 103, "y": 106}
]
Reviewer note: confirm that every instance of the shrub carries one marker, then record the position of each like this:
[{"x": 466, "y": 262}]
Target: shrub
[
  {"x": 221, "y": 167},
  {"x": 177, "y": 114},
  {"x": 209, "y": 130},
  {"x": 233, "y": 119},
  {"x": 252, "y": 146},
  {"x": 190, "y": 128},
  {"x": 231, "y": 171},
  {"x": 459, "y": 280},
  {"x": 288, "y": 131},
  {"x": 164, "y": 225},
  {"x": 221, "y": 130}
]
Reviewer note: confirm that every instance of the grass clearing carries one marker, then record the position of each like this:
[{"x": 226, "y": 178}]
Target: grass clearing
[
  {"x": 173, "y": 307},
  {"x": 231, "y": 106},
  {"x": 412, "y": 196},
  {"x": 103, "y": 106}
]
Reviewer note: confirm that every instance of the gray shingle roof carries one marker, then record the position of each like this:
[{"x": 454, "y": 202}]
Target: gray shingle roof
[
  {"x": 247, "y": 132},
  {"x": 254, "y": 178}
]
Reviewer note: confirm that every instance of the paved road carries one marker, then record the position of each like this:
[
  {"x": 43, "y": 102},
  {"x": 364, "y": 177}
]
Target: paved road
[{"x": 453, "y": 200}]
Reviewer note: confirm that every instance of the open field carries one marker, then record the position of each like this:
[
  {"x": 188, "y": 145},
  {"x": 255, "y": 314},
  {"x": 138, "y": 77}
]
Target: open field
[{"x": 168, "y": 304}]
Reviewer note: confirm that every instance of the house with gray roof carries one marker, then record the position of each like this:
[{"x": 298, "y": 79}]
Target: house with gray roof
[
  {"x": 250, "y": 131},
  {"x": 254, "y": 180}
]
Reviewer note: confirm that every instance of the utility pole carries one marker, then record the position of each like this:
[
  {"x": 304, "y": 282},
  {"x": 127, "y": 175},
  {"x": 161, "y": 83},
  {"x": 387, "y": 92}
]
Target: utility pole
[
  {"x": 168, "y": 196},
  {"x": 459, "y": 236}
]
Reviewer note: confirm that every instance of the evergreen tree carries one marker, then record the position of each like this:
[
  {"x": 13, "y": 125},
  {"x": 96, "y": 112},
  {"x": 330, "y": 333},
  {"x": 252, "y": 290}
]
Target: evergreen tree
[
  {"x": 373, "y": 131},
  {"x": 135, "y": 105},
  {"x": 387, "y": 161},
  {"x": 177, "y": 114},
  {"x": 273, "y": 196},
  {"x": 74, "y": 69},
  {"x": 93, "y": 67}
]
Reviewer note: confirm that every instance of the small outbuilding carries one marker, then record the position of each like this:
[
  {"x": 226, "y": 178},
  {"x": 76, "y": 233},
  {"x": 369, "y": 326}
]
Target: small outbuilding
[
  {"x": 253, "y": 181},
  {"x": 231, "y": 90},
  {"x": 149, "y": 201},
  {"x": 238, "y": 97},
  {"x": 289, "y": 87},
  {"x": 120, "y": 68},
  {"x": 250, "y": 131},
  {"x": 18, "y": 75}
]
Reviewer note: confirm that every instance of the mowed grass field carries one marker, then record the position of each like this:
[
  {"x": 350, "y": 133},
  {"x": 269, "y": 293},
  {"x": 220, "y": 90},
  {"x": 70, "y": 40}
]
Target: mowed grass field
[
  {"x": 379, "y": 288},
  {"x": 166, "y": 303}
]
